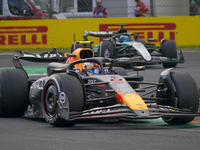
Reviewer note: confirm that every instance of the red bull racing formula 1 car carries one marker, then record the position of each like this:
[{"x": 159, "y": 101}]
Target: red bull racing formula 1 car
[{"x": 86, "y": 88}]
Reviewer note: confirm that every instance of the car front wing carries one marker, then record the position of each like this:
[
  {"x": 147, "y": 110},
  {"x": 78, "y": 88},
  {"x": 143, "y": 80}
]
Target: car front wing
[{"x": 123, "y": 111}]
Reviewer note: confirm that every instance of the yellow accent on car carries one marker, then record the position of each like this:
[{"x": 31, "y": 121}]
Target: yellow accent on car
[
  {"x": 134, "y": 101},
  {"x": 58, "y": 69},
  {"x": 140, "y": 67},
  {"x": 84, "y": 42},
  {"x": 86, "y": 52}
]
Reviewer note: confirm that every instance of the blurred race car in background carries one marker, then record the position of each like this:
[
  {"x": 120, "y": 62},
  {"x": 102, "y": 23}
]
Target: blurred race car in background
[
  {"x": 120, "y": 45},
  {"x": 85, "y": 87}
]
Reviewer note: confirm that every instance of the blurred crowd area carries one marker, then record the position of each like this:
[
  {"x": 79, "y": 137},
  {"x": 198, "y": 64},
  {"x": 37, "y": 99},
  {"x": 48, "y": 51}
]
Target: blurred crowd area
[
  {"x": 125, "y": 8},
  {"x": 115, "y": 8},
  {"x": 194, "y": 7}
]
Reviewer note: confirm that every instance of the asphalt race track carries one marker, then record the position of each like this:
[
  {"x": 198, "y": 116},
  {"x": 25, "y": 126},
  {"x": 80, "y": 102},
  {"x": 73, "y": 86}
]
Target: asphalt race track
[{"x": 29, "y": 133}]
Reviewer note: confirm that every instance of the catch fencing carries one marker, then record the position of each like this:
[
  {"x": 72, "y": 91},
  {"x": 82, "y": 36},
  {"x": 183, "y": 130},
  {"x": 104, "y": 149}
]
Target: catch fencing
[{"x": 125, "y": 8}]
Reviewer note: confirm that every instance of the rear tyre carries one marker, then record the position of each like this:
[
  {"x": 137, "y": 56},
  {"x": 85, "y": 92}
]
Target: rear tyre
[
  {"x": 186, "y": 95},
  {"x": 107, "y": 45},
  {"x": 14, "y": 93},
  {"x": 73, "y": 90},
  {"x": 169, "y": 49}
]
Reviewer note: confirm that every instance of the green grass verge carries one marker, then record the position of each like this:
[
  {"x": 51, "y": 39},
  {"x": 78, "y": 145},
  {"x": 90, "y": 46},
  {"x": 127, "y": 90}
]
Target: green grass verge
[
  {"x": 189, "y": 48},
  {"x": 36, "y": 51},
  {"x": 37, "y": 69},
  {"x": 67, "y": 50}
]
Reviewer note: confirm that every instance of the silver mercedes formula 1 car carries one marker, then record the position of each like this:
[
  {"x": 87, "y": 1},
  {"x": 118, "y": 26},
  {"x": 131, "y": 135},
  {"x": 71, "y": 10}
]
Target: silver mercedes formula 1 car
[{"x": 132, "y": 51}]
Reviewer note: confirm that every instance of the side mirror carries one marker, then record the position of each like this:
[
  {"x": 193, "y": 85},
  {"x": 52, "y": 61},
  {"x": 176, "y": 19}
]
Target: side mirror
[
  {"x": 138, "y": 68},
  {"x": 151, "y": 39}
]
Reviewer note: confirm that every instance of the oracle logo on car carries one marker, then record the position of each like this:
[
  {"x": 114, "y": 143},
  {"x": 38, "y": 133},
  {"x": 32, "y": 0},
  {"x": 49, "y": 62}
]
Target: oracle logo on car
[
  {"x": 158, "y": 31},
  {"x": 23, "y": 35}
]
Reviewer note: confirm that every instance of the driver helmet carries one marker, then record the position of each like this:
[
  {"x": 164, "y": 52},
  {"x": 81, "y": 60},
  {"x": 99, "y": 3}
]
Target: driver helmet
[
  {"x": 90, "y": 68},
  {"x": 124, "y": 38}
]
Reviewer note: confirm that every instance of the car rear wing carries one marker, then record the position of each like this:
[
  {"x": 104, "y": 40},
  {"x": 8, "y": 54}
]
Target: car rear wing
[
  {"x": 99, "y": 33},
  {"x": 47, "y": 57},
  {"x": 107, "y": 34},
  {"x": 53, "y": 56}
]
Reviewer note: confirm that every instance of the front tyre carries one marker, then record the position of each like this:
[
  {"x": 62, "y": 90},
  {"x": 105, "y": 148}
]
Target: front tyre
[
  {"x": 169, "y": 49},
  {"x": 186, "y": 95},
  {"x": 73, "y": 90},
  {"x": 107, "y": 46}
]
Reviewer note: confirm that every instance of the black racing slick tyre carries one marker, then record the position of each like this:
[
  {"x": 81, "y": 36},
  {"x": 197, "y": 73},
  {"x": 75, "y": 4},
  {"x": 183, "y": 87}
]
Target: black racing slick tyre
[
  {"x": 186, "y": 96},
  {"x": 107, "y": 45},
  {"x": 72, "y": 88},
  {"x": 169, "y": 49},
  {"x": 14, "y": 92},
  {"x": 119, "y": 71}
]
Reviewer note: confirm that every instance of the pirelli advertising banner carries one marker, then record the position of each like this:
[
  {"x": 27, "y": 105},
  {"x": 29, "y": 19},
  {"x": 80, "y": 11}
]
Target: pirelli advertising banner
[{"x": 61, "y": 33}]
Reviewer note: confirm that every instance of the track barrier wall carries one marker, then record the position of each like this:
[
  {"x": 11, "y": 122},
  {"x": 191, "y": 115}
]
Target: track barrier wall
[{"x": 32, "y": 34}]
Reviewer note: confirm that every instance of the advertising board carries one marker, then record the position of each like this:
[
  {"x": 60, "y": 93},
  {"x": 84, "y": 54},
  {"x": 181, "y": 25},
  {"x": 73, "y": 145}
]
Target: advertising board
[{"x": 61, "y": 33}]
